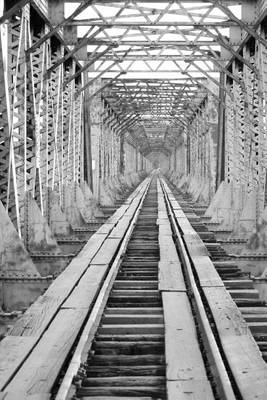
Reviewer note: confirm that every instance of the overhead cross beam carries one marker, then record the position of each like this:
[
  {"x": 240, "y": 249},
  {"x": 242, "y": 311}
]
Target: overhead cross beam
[
  {"x": 184, "y": 39},
  {"x": 106, "y": 85},
  {"x": 77, "y": 47},
  {"x": 154, "y": 44},
  {"x": 87, "y": 65},
  {"x": 120, "y": 24}
]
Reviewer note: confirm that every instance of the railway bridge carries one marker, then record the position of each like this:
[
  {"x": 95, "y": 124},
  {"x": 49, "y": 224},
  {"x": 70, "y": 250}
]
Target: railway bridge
[{"x": 133, "y": 200}]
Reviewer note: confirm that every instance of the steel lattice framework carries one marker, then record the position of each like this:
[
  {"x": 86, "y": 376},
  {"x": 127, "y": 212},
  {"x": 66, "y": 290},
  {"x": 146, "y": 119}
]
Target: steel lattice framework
[
  {"x": 159, "y": 73},
  {"x": 168, "y": 53}
]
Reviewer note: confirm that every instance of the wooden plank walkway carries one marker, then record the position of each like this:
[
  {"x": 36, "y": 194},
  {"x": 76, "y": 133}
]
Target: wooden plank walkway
[
  {"x": 32, "y": 355},
  {"x": 241, "y": 351},
  {"x": 244, "y": 357},
  {"x": 50, "y": 326},
  {"x": 186, "y": 376}
]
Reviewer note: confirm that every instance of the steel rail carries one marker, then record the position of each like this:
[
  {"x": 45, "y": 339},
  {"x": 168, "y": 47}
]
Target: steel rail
[
  {"x": 80, "y": 354},
  {"x": 221, "y": 376}
]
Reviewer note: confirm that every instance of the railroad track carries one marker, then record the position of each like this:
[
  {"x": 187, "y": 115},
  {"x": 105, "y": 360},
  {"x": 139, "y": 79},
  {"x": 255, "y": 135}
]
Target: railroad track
[
  {"x": 161, "y": 325},
  {"x": 238, "y": 283},
  {"x": 127, "y": 355}
]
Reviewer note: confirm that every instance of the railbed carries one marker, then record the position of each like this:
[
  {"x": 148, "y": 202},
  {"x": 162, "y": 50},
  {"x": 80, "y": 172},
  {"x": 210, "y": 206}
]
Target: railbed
[{"x": 141, "y": 312}]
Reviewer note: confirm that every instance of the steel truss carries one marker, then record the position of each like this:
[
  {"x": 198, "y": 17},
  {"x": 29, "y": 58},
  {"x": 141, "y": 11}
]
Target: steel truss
[{"x": 155, "y": 69}]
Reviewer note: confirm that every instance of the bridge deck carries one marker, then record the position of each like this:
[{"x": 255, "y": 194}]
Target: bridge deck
[{"x": 142, "y": 311}]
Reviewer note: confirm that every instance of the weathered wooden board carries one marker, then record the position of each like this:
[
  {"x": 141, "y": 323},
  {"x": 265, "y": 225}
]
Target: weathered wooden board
[
  {"x": 128, "y": 208},
  {"x": 183, "y": 357},
  {"x": 132, "y": 207},
  {"x": 179, "y": 213},
  {"x": 168, "y": 250},
  {"x": 171, "y": 276},
  {"x": 162, "y": 214},
  {"x": 176, "y": 206},
  {"x": 189, "y": 390},
  {"x": 39, "y": 396},
  {"x": 161, "y": 202},
  {"x": 85, "y": 292},
  {"x": 121, "y": 227},
  {"x": 118, "y": 214},
  {"x": 185, "y": 226},
  {"x": 13, "y": 350},
  {"x": 165, "y": 229},
  {"x": 37, "y": 317},
  {"x": 206, "y": 272},
  {"x": 163, "y": 221},
  {"x": 42, "y": 366},
  {"x": 242, "y": 353},
  {"x": 107, "y": 251},
  {"x": 106, "y": 228},
  {"x": 195, "y": 245}
]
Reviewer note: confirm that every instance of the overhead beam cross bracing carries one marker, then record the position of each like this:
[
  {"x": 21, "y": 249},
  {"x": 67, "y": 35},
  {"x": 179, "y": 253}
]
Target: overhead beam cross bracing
[{"x": 158, "y": 60}]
